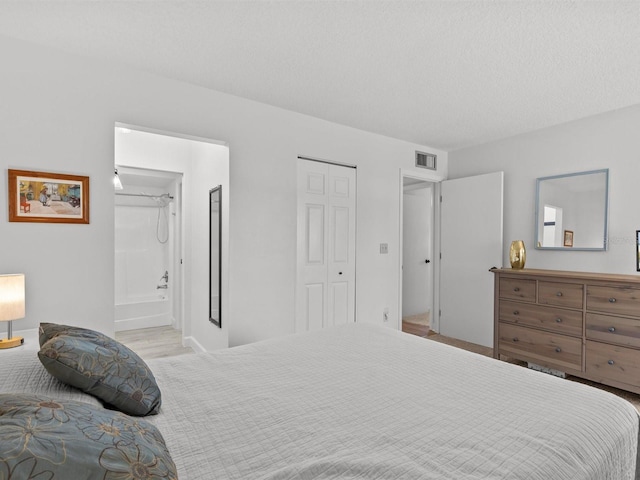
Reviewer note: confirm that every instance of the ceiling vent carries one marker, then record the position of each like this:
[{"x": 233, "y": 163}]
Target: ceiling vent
[{"x": 426, "y": 160}]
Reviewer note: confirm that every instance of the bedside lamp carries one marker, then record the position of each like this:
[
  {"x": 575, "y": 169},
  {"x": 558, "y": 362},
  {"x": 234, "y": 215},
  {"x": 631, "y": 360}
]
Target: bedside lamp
[{"x": 11, "y": 306}]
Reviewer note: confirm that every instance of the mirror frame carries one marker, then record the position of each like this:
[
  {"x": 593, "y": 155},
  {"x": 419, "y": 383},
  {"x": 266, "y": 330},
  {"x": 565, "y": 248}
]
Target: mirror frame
[
  {"x": 637, "y": 250},
  {"x": 606, "y": 213},
  {"x": 215, "y": 193}
]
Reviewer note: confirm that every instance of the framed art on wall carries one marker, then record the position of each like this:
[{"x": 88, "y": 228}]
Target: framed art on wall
[
  {"x": 568, "y": 238},
  {"x": 48, "y": 197}
]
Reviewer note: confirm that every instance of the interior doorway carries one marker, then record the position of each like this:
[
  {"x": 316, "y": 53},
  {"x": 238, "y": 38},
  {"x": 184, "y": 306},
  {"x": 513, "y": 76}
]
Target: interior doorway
[
  {"x": 163, "y": 235},
  {"x": 417, "y": 255},
  {"x": 419, "y": 290},
  {"x": 147, "y": 232}
]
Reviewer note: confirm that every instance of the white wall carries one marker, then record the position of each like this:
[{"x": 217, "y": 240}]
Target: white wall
[
  {"x": 58, "y": 113},
  {"x": 605, "y": 141}
]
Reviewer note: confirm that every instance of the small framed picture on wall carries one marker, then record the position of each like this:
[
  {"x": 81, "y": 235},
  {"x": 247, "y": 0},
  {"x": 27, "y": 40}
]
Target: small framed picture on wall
[
  {"x": 568, "y": 238},
  {"x": 48, "y": 197}
]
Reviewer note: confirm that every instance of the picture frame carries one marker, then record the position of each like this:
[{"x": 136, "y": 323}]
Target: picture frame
[
  {"x": 47, "y": 197},
  {"x": 568, "y": 238}
]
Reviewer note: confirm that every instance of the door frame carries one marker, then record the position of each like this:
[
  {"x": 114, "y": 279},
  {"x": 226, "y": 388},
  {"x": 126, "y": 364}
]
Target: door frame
[{"x": 435, "y": 179}]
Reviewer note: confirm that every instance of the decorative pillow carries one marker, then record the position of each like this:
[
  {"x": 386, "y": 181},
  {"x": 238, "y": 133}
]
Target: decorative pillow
[
  {"x": 47, "y": 331},
  {"x": 46, "y": 439},
  {"x": 102, "y": 367}
]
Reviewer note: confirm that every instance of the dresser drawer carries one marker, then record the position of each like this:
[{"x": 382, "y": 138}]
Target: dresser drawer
[
  {"x": 623, "y": 331},
  {"x": 560, "y": 294},
  {"x": 613, "y": 362},
  {"x": 568, "y": 322},
  {"x": 547, "y": 349},
  {"x": 518, "y": 289},
  {"x": 621, "y": 300}
]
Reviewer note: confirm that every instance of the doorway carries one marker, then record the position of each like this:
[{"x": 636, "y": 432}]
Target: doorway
[
  {"x": 167, "y": 178},
  {"x": 417, "y": 255},
  {"x": 419, "y": 290},
  {"x": 147, "y": 238}
]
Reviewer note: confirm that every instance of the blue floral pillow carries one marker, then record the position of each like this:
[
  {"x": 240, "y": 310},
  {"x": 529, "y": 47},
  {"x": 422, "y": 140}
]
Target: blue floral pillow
[
  {"x": 41, "y": 438},
  {"x": 99, "y": 366}
]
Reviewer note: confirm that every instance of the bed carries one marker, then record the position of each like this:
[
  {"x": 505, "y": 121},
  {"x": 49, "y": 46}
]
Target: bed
[{"x": 368, "y": 402}]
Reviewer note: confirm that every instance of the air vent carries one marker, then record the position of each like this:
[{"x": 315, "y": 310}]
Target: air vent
[{"x": 426, "y": 160}]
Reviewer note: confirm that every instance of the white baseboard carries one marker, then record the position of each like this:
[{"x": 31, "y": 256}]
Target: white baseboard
[
  {"x": 142, "y": 322},
  {"x": 194, "y": 344}
]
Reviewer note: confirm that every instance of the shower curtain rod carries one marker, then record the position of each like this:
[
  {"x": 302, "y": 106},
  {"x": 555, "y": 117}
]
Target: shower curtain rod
[{"x": 145, "y": 195}]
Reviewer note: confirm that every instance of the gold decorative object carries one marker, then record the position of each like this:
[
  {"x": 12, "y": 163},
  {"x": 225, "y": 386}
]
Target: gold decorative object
[{"x": 517, "y": 254}]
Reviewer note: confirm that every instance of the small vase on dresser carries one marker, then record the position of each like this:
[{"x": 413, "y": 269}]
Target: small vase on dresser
[{"x": 517, "y": 254}]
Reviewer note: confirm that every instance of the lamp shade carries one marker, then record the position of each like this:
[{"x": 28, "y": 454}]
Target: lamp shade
[{"x": 11, "y": 297}]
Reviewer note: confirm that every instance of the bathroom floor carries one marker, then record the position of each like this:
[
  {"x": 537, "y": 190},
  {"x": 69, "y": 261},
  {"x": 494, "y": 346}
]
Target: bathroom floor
[{"x": 154, "y": 342}]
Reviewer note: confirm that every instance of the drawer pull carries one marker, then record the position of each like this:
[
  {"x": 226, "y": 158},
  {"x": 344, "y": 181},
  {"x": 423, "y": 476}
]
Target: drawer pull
[
  {"x": 558, "y": 349},
  {"x": 558, "y": 320},
  {"x": 612, "y": 329},
  {"x": 516, "y": 312},
  {"x": 611, "y": 362},
  {"x": 559, "y": 294},
  {"x": 515, "y": 339},
  {"x": 517, "y": 289},
  {"x": 612, "y": 300}
]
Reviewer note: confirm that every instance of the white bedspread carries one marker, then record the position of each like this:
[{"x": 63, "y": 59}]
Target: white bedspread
[{"x": 365, "y": 402}]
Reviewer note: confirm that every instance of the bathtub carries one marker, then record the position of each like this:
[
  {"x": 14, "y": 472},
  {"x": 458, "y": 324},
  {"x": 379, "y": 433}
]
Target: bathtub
[{"x": 143, "y": 312}]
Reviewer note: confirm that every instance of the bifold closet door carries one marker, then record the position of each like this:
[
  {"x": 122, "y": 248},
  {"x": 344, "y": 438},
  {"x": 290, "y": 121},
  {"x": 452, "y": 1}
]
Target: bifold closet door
[{"x": 325, "y": 284}]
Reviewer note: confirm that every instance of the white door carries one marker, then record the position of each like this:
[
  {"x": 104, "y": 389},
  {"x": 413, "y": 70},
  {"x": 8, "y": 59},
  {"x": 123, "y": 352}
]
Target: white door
[
  {"x": 325, "y": 286},
  {"x": 471, "y": 243}
]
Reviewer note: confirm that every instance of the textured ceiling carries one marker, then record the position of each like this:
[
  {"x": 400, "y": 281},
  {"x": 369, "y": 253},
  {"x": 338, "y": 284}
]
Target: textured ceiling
[{"x": 448, "y": 74}]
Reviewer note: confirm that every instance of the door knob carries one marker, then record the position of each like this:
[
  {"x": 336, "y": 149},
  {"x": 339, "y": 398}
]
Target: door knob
[
  {"x": 339, "y": 273},
  {"x": 427, "y": 261}
]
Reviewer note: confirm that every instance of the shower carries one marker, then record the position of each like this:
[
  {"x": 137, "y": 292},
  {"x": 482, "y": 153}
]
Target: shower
[
  {"x": 145, "y": 237},
  {"x": 162, "y": 201}
]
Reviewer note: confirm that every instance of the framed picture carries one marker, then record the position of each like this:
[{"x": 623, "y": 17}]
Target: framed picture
[
  {"x": 568, "y": 238},
  {"x": 48, "y": 197}
]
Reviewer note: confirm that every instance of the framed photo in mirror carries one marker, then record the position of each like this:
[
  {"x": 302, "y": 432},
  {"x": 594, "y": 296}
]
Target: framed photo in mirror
[{"x": 568, "y": 238}]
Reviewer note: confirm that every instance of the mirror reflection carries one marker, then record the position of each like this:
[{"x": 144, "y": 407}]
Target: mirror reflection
[
  {"x": 571, "y": 211},
  {"x": 215, "y": 254}
]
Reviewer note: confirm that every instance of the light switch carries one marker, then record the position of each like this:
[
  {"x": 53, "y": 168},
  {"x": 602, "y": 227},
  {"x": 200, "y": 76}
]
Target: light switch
[{"x": 384, "y": 248}]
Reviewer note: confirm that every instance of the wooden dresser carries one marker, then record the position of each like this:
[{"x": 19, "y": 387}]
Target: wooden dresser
[{"x": 583, "y": 324}]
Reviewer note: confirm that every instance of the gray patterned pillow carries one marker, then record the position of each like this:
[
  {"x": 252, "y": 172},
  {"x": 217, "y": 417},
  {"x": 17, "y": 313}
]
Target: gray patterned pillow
[
  {"x": 102, "y": 367},
  {"x": 41, "y": 438}
]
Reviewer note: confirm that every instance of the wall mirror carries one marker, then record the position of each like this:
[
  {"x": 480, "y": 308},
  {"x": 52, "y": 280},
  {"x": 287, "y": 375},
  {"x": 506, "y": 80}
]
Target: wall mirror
[
  {"x": 638, "y": 250},
  {"x": 215, "y": 255},
  {"x": 571, "y": 211}
]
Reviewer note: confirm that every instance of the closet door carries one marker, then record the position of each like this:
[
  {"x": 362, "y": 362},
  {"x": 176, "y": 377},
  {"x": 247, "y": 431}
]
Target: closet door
[{"x": 325, "y": 284}]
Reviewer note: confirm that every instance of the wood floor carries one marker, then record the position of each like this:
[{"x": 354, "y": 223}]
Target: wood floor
[
  {"x": 421, "y": 331},
  {"x": 154, "y": 342}
]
